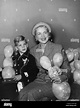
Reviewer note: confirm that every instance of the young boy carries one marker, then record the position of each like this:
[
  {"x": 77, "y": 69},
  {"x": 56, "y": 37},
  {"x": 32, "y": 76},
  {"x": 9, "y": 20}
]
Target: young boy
[{"x": 24, "y": 62}]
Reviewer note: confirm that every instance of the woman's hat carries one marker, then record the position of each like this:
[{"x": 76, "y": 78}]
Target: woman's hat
[{"x": 40, "y": 24}]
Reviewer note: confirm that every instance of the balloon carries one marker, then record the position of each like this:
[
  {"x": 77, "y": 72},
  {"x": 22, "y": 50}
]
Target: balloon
[
  {"x": 78, "y": 50},
  {"x": 8, "y": 51},
  {"x": 58, "y": 59},
  {"x": 45, "y": 62},
  {"x": 70, "y": 56},
  {"x": 76, "y": 54},
  {"x": 77, "y": 64},
  {"x": 8, "y": 72},
  {"x": 8, "y": 62},
  {"x": 69, "y": 50},
  {"x": 76, "y": 76},
  {"x": 61, "y": 90}
]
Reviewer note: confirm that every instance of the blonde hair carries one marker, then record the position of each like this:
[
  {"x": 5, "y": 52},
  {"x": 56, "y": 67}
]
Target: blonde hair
[{"x": 19, "y": 38}]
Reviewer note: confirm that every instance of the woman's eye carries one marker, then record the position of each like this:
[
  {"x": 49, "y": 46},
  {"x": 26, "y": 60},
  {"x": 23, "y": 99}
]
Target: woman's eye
[
  {"x": 38, "y": 34},
  {"x": 25, "y": 44}
]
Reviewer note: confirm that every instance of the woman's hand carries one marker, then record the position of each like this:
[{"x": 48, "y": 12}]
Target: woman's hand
[
  {"x": 17, "y": 77},
  {"x": 56, "y": 79},
  {"x": 54, "y": 71}
]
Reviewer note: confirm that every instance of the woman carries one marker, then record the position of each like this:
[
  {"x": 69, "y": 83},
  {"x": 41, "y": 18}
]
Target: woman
[{"x": 41, "y": 87}]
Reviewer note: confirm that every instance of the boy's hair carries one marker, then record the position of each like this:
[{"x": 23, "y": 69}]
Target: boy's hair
[{"x": 19, "y": 38}]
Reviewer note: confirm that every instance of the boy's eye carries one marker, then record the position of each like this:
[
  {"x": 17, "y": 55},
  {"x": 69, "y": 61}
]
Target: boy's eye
[
  {"x": 45, "y": 32},
  {"x": 24, "y": 44},
  {"x": 19, "y": 45}
]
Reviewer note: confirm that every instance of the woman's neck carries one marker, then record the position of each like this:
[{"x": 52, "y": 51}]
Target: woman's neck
[{"x": 43, "y": 45}]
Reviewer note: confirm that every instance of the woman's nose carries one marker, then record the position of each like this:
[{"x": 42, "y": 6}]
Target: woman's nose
[
  {"x": 23, "y": 46},
  {"x": 43, "y": 35}
]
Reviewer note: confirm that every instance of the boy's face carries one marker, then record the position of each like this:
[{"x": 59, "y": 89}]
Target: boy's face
[
  {"x": 22, "y": 46},
  {"x": 42, "y": 34}
]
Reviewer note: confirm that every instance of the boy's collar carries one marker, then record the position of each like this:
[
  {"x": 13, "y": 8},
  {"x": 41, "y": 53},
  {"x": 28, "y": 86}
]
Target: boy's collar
[
  {"x": 25, "y": 53},
  {"x": 21, "y": 53}
]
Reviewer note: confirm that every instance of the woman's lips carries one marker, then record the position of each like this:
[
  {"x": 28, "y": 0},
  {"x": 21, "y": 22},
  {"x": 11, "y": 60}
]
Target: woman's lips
[{"x": 43, "y": 39}]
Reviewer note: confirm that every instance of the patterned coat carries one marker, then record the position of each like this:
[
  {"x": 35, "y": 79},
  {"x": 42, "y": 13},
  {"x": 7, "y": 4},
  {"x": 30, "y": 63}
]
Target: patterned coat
[{"x": 49, "y": 51}]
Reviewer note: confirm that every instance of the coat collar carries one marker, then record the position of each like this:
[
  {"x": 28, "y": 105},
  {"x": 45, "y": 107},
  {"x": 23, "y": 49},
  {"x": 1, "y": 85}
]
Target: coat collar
[{"x": 26, "y": 54}]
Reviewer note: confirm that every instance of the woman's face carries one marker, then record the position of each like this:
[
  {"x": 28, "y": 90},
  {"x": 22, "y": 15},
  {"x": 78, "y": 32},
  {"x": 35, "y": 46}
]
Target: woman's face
[
  {"x": 42, "y": 34},
  {"x": 22, "y": 46}
]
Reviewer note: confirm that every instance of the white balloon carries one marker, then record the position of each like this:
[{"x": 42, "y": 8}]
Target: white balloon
[
  {"x": 58, "y": 59},
  {"x": 77, "y": 64},
  {"x": 8, "y": 51},
  {"x": 8, "y": 72},
  {"x": 76, "y": 76},
  {"x": 70, "y": 56},
  {"x": 45, "y": 62},
  {"x": 61, "y": 90},
  {"x": 8, "y": 62}
]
